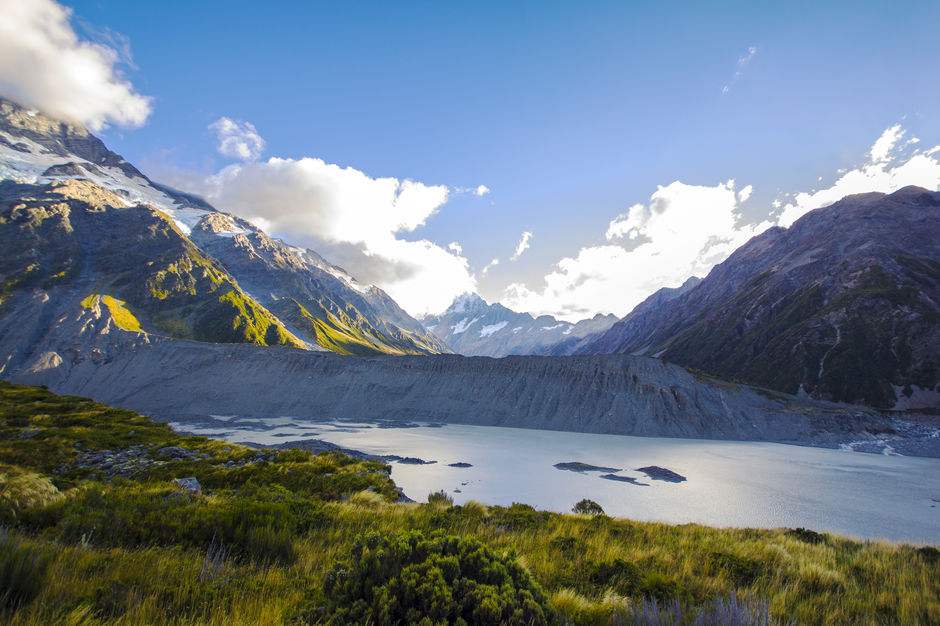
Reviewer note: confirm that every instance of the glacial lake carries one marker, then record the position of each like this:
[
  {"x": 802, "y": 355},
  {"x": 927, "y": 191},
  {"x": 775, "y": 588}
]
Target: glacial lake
[{"x": 728, "y": 483}]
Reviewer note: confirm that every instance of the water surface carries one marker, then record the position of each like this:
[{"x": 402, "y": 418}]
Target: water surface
[{"x": 740, "y": 484}]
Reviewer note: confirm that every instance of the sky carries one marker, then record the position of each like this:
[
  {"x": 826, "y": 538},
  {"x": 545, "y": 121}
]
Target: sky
[{"x": 567, "y": 158}]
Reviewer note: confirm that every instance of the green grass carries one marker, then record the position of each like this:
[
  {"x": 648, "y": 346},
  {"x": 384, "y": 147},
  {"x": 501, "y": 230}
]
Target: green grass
[{"x": 256, "y": 546}]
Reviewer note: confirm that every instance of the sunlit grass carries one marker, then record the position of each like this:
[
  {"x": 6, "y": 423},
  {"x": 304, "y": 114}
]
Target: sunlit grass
[{"x": 255, "y": 546}]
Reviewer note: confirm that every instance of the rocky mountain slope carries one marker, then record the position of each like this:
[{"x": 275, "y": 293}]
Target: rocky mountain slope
[
  {"x": 77, "y": 216},
  {"x": 844, "y": 305},
  {"x": 472, "y": 327}
]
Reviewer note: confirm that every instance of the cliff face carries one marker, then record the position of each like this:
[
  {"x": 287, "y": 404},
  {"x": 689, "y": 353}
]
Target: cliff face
[{"x": 844, "y": 305}]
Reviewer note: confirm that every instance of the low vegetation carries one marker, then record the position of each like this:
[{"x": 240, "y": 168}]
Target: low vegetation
[{"x": 95, "y": 530}]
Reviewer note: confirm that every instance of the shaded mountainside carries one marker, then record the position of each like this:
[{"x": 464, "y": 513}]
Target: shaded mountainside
[
  {"x": 472, "y": 327},
  {"x": 74, "y": 214},
  {"x": 844, "y": 305}
]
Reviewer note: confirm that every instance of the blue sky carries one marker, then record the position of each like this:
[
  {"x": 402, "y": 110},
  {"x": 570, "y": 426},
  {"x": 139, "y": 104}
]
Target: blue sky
[{"x": 569, "y": 113}]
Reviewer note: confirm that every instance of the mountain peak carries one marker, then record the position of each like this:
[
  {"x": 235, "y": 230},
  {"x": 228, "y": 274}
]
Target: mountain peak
[{"x": 467, "y": 301}]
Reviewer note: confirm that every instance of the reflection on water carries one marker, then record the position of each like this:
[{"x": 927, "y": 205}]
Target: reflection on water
[{"x": 728, "y": 483}]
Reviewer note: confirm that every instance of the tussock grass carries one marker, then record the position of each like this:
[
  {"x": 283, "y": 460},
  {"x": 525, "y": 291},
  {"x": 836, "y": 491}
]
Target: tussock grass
[{"x": 256, "y": 546}]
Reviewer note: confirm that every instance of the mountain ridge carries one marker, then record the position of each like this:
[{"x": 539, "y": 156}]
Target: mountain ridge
[
  {"x": 205, "y": 266},
  {"x": 844, "y": 305},
  {"x": 473, "y": 327}
]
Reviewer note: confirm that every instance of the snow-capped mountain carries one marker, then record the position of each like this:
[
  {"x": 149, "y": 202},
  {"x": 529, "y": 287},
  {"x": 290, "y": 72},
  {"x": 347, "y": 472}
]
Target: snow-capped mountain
[
  {"x": 472, "y": 327},
  {"x": 79, "y": 222}
]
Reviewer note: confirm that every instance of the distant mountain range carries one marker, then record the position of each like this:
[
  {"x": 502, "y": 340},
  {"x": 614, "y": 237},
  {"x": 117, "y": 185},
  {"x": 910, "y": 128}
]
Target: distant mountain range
[
  {"x": 125, "y": 290},
  {"x": 844, "y": 305},
  {"x": 97, "y": 262},
  {"x": 83, "y": 226},
  {"x": 472, "y": 327}
]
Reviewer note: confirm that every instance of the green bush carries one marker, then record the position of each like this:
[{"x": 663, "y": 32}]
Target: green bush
[
  {"x": 622, "y": 576},
  {"x": 410, "y": 579},
  {"x": 518, "y": 517},
  {"x": 587, "y": 507},
  {"x": 740, "y": 570},
  {"x": 21, "y": 490},
  {"x": 440, "y": 498},
  {"x": 807, "y": 535}
]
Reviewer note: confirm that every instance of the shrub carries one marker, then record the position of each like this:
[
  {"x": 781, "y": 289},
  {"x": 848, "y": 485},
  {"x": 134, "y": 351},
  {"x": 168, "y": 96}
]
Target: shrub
[
  {"x": 740, "y": 570},
  {"x": 622, "y": 576},
  {"x": 440, "y": 498},
  {"x": 806, "y": 535},
  {"x": 473, "y": 509},
  {"x": 518, "y": 517},
  {"x": 587, "y": 507},
  {"x": 409, "y": 579},
  {"x": 21, "y": 490},
  {"x": 367, "y": 499}
]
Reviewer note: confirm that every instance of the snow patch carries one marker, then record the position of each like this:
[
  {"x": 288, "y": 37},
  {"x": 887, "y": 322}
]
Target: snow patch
[
  {"x": 552, "y": 327},
  {"x": 516, "y": 329},
  {"x": 463, "y": 325},
  {"x": 349, "y": 280},
  {"x": 486, "y": 331}
]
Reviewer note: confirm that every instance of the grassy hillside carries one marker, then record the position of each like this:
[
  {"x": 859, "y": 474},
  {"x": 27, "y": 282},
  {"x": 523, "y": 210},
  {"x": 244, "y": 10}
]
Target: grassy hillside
[{"x": 95, "y": 531}]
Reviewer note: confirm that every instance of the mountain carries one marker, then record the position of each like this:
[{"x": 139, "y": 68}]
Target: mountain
[
  {"x": 472, "y": 327},
  {"x": 844, "y": 305},
  {"x": 131, "y": 292},
  {"x": 578, "y": 345},
  {"x": 81, "y": 225}
]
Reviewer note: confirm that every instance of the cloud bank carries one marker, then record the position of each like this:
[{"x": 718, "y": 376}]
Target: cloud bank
[
  {"x": 237, "y": 139},
  {"x": 682, "y": 231},
  {"x": 685, "y": 230},
  {"x": 44, "y": 64},
  {"x": 352, "y": 219}
]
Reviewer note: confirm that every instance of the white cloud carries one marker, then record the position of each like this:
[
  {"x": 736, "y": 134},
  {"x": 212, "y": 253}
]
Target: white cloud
[
  {"x": 522, "y": 246},
  {"x": 489, "y": 266},
  {"x": 237, "y": 139},
  {"x": 353, "y": 220},
  {"x": 482, "y": 190},
  {"x": 685, "y": 230},
  {"x": 455, "y": 247},
  {"x": 44, "y": 64},
  {"x": 742, "y": 63},
  {"x": 892, "y": 164}
]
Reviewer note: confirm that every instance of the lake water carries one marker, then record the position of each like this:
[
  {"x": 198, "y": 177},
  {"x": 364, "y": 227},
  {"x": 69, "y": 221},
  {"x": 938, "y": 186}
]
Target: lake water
[{"x": 740, "y": 484}]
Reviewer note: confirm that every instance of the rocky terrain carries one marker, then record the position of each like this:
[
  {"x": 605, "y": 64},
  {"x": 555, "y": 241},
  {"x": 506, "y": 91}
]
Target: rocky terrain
[
  {"x": 844, "y": 305},
  {"x": 472, "y": 327}
]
